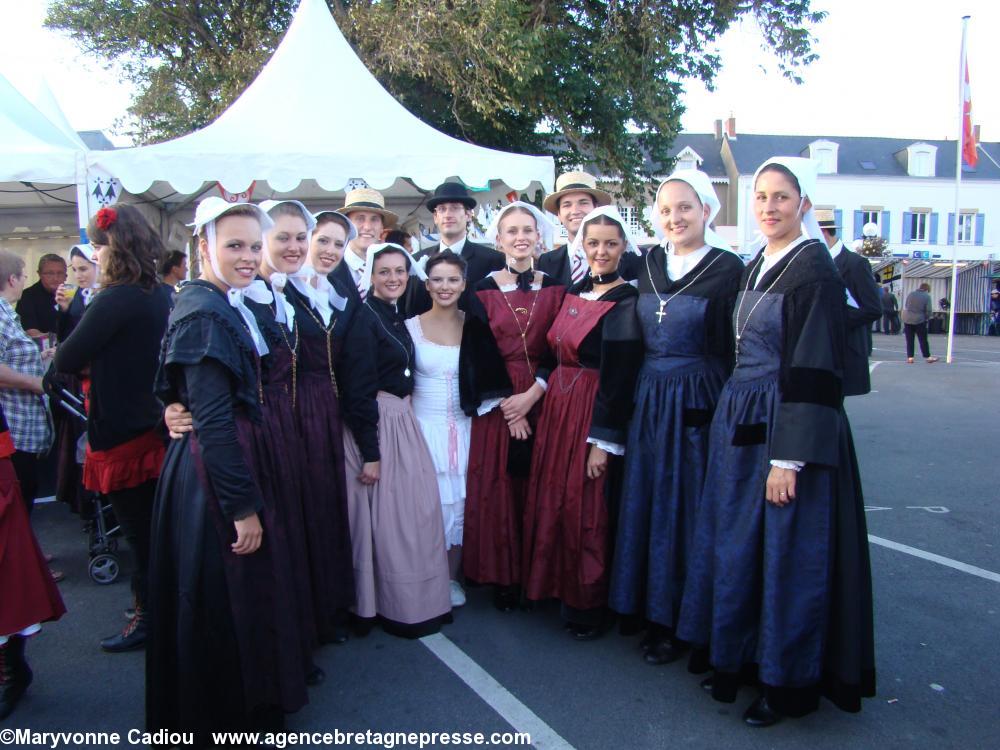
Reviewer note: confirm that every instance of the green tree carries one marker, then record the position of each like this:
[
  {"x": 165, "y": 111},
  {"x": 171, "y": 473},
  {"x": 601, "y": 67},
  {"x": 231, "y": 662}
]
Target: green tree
[{"x": 589, "y": 82}]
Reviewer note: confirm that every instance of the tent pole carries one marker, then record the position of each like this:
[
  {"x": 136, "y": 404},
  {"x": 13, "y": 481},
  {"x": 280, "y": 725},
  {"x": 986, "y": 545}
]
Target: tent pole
[{"x": 958, "y": 185}]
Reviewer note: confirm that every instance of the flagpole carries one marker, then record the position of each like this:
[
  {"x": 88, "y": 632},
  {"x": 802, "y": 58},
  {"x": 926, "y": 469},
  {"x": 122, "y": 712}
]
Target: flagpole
[{"x": 959, "y": 142}]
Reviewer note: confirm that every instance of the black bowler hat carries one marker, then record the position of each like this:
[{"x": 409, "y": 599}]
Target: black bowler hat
[{"x": 451, "y": 192}]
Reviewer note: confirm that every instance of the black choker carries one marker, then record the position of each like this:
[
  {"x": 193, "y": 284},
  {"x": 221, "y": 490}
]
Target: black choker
[
  {"x": 524, "y": 278},
  {"x": 608, "y": 278}
]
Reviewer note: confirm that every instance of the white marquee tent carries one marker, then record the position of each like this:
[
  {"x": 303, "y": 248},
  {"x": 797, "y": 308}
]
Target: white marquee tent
[{"x": 315, "y": 113}]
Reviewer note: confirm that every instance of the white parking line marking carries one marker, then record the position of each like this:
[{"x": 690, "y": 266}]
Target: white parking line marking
[
  {"x": 872, "y": 366},
  {"x": 989, "y": 575},
  {"x": 501, "y": 700}
]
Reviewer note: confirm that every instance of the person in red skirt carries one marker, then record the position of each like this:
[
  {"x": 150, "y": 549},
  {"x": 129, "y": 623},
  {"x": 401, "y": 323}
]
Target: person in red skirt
[
  {"x": 515, "y": 306},
  {"x": 30, "y": 596},
  {"x": 117, "y": 341},
  {"x": 581, "y": 433}
]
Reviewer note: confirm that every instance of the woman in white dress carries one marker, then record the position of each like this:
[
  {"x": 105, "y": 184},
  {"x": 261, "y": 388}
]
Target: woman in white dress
[{"x": 437, "y": 337}]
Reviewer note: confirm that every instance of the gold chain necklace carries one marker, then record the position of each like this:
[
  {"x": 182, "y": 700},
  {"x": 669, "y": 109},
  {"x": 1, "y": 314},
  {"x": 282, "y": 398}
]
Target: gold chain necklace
[
  {"x": 293, "y": 346},
  {"x": 739, "y": 310},
  {"x": 329, "y": 347},
  {"x": 527, "y": 324}
]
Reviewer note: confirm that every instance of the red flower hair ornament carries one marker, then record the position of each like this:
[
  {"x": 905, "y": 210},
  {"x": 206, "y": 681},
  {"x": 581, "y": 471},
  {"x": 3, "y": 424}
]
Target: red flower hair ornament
[{"x": 105, "y": 218}]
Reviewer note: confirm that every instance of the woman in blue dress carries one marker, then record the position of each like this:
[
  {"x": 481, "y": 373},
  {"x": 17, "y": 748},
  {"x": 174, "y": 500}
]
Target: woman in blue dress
[
  {"x": 779, "y": 579},
  {"x": 687, "y": 289}
]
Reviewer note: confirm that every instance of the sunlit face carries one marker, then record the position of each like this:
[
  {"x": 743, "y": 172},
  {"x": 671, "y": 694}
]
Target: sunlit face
[
  {"x": 517, "y": 235},
  {"x": 682, "y": 215},
  {"x": 327, "y": 249},
  {"x": 445, "y": 284},
  {"x": 572, "y": 208},
  {"x": 239, "y": 246},
  {"x": 84, "y": 272},
  {"x": 52, "y": 274},
  {"x": 451, "y": 219},
  {"x": 778, "y": 208},
  {"x": 603, "y": 246},
  {"x": 369, "y": 225},
  {"x": 287, "y": 243},
  {"x": 389, "y": 276}
]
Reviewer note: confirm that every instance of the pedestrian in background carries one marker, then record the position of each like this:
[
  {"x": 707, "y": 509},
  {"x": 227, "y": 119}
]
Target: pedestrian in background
[
  {"x": 916, "y": 313},
  {"x": 37, "y": 306},
  {"x": 890, "y": 312}
]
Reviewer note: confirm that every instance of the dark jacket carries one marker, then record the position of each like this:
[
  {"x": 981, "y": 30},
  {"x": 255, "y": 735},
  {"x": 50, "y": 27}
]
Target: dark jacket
[
  {"x": 555, "y": 263},
  {"x": 857, "y": 275},
  {"x": 480, "y": 260},
  {"x": 37, "y": 309}
]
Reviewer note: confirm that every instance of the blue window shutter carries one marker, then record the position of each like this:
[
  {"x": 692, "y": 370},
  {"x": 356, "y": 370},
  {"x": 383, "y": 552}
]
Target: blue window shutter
[
  {"x": 933, "y": 238},
  {"x": 951, "y": 228},
  {"x": 980, "y": 226},
  {"x": 885, "y": 226},
  {"x": 838, "y": 217},
  {"x": 857, "y": 226},
  {"x": 907, "y": 227}
]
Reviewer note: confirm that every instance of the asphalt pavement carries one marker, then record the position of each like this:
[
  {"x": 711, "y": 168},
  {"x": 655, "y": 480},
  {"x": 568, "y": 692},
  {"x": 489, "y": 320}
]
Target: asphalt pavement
[{"x": 927, "y": 439}]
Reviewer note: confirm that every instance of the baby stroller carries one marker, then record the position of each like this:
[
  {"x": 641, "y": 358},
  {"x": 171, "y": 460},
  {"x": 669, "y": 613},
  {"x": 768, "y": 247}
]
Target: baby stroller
[{"x": 102, "y": 527}]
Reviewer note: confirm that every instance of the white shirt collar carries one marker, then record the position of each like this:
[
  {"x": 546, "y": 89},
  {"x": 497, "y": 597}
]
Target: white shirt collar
[
  {"x": 356, "y": 264},
  {"x": 837, "y": 247},
  {"x": 770, "y": 261},
  {"x": 456, "y": 247},
  {"x": 679, "y": 266}
]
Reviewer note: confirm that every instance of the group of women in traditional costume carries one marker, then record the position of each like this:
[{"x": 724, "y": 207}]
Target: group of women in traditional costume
[{"x": 673, "y": 452}]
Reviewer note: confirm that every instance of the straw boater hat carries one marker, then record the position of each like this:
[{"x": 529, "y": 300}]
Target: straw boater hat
[
  {"x": 827, "y": 218},
  {"x": 366, "y": 199},
  {"x": 575, "y": 182}
]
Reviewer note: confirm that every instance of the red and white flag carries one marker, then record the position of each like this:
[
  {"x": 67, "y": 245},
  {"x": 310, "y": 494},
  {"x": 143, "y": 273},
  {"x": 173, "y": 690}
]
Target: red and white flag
[{"x": 969, "y": 155}]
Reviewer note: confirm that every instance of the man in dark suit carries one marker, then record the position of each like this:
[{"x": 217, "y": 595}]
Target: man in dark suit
[
  {"x": 863, "y": 305},
  {"x": 451, "y": 206},
  {"x": 37, "y": 307},
  {"x": 576, "y": 196}
]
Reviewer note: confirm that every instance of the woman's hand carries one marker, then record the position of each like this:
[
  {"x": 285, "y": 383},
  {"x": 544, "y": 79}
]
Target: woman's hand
[
  {"x": 780, "y": 489},
  {"x": 369, "y": 472},
  {"x": 62, "y": 298},
  {"x": 48, "y": 354},
  {"x": 249, "y": 535},
  {"x": 519, "y": 429},
  {"x": 178, "y": 420},
  {"x": 597, "y": 462},
  {"x": 517, "y": 407}
]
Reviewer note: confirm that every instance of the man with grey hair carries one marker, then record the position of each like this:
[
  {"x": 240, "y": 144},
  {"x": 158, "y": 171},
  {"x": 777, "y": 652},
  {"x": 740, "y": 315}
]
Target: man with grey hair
[{"x": 37, "y": 306}]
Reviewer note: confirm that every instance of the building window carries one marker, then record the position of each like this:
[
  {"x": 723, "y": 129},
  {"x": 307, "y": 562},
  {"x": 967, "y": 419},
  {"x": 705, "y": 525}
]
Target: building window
[
  {"x": 966, "y": 229},
  {"x": 687, "y": 163},
  {"x": 632, "y": 220},
  {"x": 920, "y": 227},
  {"x": 826, "y": 162},
  {"x": 872, "y": 217},
  {"x": 921, "y": 164}
]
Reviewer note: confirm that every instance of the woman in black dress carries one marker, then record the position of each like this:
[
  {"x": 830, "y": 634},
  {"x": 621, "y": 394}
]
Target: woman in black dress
[
  {"x": 117, "y": 343},
  {"x": 779, "y": 585},
  {"x": 225, "y": 644}
]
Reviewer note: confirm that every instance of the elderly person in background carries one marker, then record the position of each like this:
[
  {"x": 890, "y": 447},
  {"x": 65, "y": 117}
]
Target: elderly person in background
[
  {"x": 916, "y": 313},
  {"x": 37, "y": 305},
  {"x": 21, "y": 373}
]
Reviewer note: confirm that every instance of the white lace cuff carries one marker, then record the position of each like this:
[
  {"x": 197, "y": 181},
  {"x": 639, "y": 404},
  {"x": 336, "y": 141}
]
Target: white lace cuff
[
  {"x": 793, "y": 465},
  {"x": 616, "y": 448},
  {"x": 487, "y": 406},
  {"x": 544, "y": 386}
]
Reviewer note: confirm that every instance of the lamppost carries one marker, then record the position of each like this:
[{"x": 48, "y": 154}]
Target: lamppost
[{"x": 873, "y": 246}]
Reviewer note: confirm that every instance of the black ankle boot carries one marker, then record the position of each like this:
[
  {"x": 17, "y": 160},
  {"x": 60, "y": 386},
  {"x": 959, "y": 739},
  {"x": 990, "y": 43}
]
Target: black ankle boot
[
  {"x": 132, "y": 637},
  {"x": 15, "y": 674}
]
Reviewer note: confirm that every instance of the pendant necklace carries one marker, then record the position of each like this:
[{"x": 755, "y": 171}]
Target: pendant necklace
[
  {"x": 523, "y": 331},
  {"x": 751, "y": 283},
  {"x": 406, "y": 371},
  {"x": 661, "y": 313},
  {"x": 328, "y": 332}
]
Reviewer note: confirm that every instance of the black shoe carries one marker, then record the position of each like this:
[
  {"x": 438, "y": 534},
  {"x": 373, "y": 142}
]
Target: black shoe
[
  {"x": 760, "y": 714},
  {"x": 315, "y": 677},
  {"x": 131, "y": 638},
  {"x": 15, "y": 675},
  {"x": 506, "y": 598},
  {"x": 662, "y": 652},
  {"x": 587, "y": 632},
  {"x": 129, "y": 613},
  {"x": 362, "y": 626},
  {"x": 341, "y": 634},
  {"x": 707, "y": 684}
]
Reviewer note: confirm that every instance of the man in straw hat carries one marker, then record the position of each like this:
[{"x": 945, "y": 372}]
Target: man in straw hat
[
  {"x": 451, "y": 205},
  {"x": 864, "y": 305},
  {"x": 576, "y": 196},
  {"x": 366, "y": 209}
]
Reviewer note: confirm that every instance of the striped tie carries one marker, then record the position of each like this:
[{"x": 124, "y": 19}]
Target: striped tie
[
  {"x": 362, "y": 292},
  {"x": 579, "y": 269}
]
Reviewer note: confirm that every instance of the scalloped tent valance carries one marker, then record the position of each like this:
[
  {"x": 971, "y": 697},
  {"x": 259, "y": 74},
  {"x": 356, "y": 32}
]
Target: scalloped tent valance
[{"x": 290, "y": 125}]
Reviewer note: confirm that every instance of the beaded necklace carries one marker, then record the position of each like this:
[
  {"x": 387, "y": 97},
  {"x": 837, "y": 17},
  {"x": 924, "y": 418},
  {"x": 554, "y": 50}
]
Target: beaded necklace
[
  {"x": 523, "y": 331},
  {"x": 329, "y": 347},
  {"x": 661, "y": 313}
]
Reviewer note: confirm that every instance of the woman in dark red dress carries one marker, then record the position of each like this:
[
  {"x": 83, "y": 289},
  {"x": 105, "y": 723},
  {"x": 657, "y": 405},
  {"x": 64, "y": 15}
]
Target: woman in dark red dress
[
  {"x": 516, "y": 307},
  {"x": 30, "y": 596},
  {"x": 581, "y": 434}
]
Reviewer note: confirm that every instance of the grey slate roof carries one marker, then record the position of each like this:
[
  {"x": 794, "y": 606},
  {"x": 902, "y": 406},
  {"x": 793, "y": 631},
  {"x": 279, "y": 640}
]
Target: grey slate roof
[
  {"x": 96, "y": 140},
  {"x": 707, "y": 146},
  {"x": 750, "y": 151}
]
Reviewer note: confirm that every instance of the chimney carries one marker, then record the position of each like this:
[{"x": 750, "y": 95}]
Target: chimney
[
  {"x": 731, "y": 126},
  {"x": 975, "y": 133},
  {"x": 718, "y": 130}
]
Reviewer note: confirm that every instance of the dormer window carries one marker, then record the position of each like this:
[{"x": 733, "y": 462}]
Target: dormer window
[
  {"x": 920, "y": 160},
  {"x": 688, "y": 158},
  {"x": 824, "y": 153}
]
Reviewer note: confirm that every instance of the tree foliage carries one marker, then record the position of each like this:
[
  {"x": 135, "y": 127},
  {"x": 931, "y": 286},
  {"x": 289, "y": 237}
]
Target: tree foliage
[{"x": 590, "y": 82}]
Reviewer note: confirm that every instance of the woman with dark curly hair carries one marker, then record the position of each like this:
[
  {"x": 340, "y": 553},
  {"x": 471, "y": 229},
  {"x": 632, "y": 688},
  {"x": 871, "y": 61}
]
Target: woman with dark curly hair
[{"x": 118, "y": 340}]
